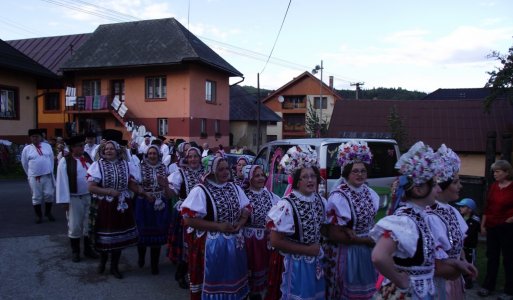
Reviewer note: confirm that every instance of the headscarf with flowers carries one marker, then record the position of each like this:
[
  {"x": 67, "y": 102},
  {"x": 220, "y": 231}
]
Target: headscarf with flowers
[
  {"x": 450, "y": 163},
  {"x": 299, "y": 157},
  {"x": 354, "y": 152}
]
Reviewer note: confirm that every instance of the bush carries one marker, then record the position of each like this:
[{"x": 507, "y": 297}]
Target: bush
[{"x": 10, "y": 165}]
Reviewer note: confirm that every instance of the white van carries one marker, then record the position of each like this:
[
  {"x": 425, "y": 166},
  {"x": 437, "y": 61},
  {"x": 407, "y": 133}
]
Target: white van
[{"x": 382, "y": 173}]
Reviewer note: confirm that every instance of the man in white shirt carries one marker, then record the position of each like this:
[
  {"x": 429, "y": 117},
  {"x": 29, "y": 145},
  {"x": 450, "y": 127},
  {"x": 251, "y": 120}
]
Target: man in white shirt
[
  {"x": 206, "y": 150},
  {"x": 73, "y": 193},
  {"x": 90, "y": 139},
  {"x": 38, "y": 161},
  {"x": 164, "y": 148},
  {"x": 145, "y": 145}
]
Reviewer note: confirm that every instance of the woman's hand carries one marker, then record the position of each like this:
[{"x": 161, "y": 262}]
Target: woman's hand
[
  {"x": 113, "y": 192},
  {"x": 509, "y": 220},
  {"x": 403, "y": 281},
  {"x": 314, "y": 249},
  {"x": 162, "y": 181},
  {"x": 148, "y": 196},
  {"x": 483, "y": 230},
  {"x": 226, "y": 227}
]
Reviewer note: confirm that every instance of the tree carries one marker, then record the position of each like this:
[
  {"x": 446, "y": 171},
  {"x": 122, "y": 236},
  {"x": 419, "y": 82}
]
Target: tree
[
  {"x": 314, "y": 126},
  {"x": 396, "y": 127},
  {"x": 501, "y": 79}
]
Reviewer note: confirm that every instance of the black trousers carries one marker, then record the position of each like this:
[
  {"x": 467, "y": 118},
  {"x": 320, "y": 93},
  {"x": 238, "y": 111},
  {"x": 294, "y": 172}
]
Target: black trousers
[{"x": 499, "y": 240}]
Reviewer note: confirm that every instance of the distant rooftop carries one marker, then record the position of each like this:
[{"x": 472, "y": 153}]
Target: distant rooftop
[{"x": 244, "y": 107}]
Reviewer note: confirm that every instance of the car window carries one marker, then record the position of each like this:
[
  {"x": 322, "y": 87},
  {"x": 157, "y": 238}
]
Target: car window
[
  {"x": 261, "y": 159},
  {"x": 383, "y": 160}
]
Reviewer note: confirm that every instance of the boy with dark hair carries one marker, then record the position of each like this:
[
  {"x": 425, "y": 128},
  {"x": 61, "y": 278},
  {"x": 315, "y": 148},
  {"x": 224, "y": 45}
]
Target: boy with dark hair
[{"x": 468, "y": 208}]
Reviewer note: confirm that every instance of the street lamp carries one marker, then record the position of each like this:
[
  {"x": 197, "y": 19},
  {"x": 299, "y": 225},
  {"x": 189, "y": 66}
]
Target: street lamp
[{"x": 315, "y": 71}]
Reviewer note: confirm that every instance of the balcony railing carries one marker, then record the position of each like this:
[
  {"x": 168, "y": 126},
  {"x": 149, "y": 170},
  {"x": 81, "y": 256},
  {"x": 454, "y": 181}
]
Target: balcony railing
[
  {"x": 294, "y": 127},
  {"x": 92, "y": 103},
  {"x": 293, "y": 105}
]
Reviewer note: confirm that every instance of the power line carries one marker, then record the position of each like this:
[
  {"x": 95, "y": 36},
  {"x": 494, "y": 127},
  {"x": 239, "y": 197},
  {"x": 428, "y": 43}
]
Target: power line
[
  {"x": 116, "y": 16},
  {"x": 276, "y": 40}
]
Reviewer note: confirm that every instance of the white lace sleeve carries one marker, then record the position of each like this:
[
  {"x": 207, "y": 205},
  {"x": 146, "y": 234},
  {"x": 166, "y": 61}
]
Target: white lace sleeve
[
  {"x": 195, "y": 205},
  {"x": 375, "y": 199},
  {"x": 94, "y": 173},
  {"x": 338, "y": 210},
  {"x": 402, "y": 230},
  {"x": 280, "y": 218},
  {"x": 243, "y": 199},
  {"x": 175, "y": 180}
]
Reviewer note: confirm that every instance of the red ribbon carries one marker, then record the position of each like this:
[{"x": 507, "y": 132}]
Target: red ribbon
[
  {"x": 83, "y": 162},
  {"x": 38, "y": 148}
]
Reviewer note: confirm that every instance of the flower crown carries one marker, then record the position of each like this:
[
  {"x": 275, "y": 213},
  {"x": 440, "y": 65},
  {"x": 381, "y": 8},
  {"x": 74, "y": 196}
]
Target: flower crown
[
  {"x": 449, "y": 163},
  {"x": 354, "y": 152},
  {"x": 297, "y": 158},
  {"x": 420, "y": 163}
]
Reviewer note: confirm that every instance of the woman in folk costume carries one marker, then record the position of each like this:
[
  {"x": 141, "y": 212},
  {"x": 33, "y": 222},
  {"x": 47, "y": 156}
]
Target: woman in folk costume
[
  {"x": 404, "y": 251},
  {"x": 182, "y": 181},
  {"x": 255, "y": 233},
  {"x": 112, "y": 219},
  {"x": 449, "y": 228},
  {"x": 351, "y": 209},
  {"x": 238, "y": 176},
  {"x": 151, "y": 212},
  {"x": 295, "y": 223},
  {"x": 217, "y": 210}
]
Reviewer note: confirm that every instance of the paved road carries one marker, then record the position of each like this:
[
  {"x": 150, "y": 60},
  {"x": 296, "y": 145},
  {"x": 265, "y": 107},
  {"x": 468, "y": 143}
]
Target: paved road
[{"x": 35, "y": 260}]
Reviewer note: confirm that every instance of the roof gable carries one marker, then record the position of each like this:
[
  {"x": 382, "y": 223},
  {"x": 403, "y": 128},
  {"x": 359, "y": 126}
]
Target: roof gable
[
  {"x": 142, "y": 43},
  {"x": 297, "y": 80},
  {"x": 459, "y": 94},
  {"x": 244, "y": 107},
  {"x": 51, "y": 52},
  {"x": 461, "y": 124},
  {"x": 12, "y": 59}
]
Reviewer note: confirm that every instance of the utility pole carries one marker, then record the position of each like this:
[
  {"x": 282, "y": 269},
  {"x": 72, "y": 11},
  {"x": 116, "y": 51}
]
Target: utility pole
[
  {"x": 258, "y": 112},
  {"x": 357, "y": 84},
  {"x": 314, "y": 71}
]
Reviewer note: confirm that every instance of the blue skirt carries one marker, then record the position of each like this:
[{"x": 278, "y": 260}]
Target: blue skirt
[
  {"x": 303, "y": 278},
  {"x": 358, "y": 275},
  {"x": 153, "y": 225},
  {"x": 226, "y": 267}
]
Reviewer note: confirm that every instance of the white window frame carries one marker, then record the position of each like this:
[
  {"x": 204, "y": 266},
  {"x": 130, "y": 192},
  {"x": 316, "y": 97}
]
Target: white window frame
[
  {"x": 8, "y": 105},
  {"x": 210, "y": 91},
  {"x": 162, "y": 126}
]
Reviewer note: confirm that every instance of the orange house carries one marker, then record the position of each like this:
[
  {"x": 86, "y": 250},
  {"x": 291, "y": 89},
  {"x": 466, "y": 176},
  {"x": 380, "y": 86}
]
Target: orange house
[
  {"x": 160, "y": 73},
  {"x": 291, "y": 102}
]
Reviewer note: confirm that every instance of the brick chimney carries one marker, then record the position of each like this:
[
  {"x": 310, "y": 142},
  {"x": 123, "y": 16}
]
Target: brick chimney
[{"x": 331, "y": 82}]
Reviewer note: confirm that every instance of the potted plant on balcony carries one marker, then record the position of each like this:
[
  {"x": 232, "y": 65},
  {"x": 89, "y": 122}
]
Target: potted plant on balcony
[{"x": 203, "y": 135}]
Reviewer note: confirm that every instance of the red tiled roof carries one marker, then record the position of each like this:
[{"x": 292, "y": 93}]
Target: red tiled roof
[{"x": 461, "y": 124}]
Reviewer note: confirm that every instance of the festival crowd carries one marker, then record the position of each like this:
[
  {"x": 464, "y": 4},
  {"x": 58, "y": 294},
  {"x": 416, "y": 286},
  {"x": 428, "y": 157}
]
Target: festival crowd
[{"x": 230, "y": 237}]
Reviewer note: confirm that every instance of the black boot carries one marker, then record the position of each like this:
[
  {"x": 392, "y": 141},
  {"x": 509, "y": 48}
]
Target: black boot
[
  {"x": 48, "y": 211},
  {"x": 155, "y": 256},
  {"x": 181, "y": 274},
  {"x": 39, "y": 213},
  {"x": 103, "y": 261},
  {"x": 114, "y": 264},
  {"x": 141, "y": 250},
  {"x": 88, "y": 250},
  {"x": 75, "y": 249}
]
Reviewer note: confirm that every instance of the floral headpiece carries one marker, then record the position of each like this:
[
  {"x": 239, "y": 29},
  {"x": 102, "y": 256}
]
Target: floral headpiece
[
  {"x": 354, "y": 152},
  {"x": 419, "y": 164},
  {"x": 450, "y": 163},
  {"x": 299, "y": 157}
]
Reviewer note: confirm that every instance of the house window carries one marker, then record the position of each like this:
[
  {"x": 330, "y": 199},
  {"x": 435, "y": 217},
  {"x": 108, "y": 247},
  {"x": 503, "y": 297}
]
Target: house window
[
  {"x": 91, "y": 88},
  {"x": 292, "y": 102},
  {"x": 294, "y": 122},
  {"x": 162, "y": 126},
  {"x": 272, "y": 137},
  {"x": 210, "y": 91},
  {"x": 217, "y": 126},
  {"x": 52, "y": 102},
  {"x": 317, "y": 103},
  {"x": 9, "y": 103},
  {"x": 118, "y": 89},
  {"x": 156, "y": 87},
  {"x": 203, "y": 128}
]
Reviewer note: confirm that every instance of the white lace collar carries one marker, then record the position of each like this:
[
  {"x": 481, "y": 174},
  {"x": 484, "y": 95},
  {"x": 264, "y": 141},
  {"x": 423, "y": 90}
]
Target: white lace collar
[{"x": 302, "y": 197}]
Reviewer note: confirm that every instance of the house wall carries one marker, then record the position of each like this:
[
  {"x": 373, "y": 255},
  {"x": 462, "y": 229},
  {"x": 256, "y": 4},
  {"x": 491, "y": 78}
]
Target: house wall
[
  {"x": 52, "y": 120},
  {"x": 276, "y": 129},
  {"x": 244, "y": 134},
  {"x": 16, "y": 130}
]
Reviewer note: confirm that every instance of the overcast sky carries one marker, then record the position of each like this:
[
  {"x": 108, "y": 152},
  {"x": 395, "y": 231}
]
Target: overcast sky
[{"x": 416, "y": 45}]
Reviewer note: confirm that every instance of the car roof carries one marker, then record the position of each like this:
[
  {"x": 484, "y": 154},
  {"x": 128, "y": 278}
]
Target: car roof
[{"x": 319, "y": 141}]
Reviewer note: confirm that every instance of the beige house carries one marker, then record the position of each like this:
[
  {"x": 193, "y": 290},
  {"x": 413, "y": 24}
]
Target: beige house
[{"x": 20, "y": 78}]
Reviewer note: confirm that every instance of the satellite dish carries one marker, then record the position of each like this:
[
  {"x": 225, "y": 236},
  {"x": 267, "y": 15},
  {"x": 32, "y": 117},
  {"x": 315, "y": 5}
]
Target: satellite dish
[{"x": 281, "y": 99}]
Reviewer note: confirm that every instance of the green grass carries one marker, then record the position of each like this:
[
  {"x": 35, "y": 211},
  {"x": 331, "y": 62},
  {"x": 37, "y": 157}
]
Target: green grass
[{"x": 481, "y": 266}]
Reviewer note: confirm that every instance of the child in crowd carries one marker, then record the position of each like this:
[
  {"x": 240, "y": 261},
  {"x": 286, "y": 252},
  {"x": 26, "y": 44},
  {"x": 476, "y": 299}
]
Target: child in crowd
[{"x": 468, "y": 208}]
